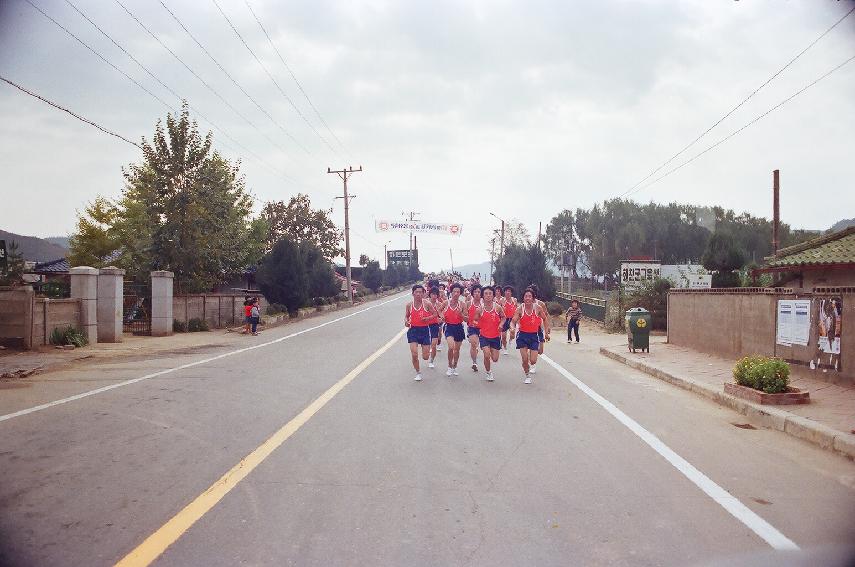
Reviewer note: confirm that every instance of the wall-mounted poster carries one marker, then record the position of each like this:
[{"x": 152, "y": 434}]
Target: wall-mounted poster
[
  {"x": 829, "y": 323},
  {"x": 793, "y": 322}
]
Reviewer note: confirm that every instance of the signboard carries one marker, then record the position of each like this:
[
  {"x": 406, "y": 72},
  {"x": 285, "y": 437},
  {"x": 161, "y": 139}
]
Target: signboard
[
  {"x": 691, "y": 276},
  {"x": 402, "y": 257},
  {"x": 633, "y": 274},
  {"x": 793, "y": 322},
  {"x": 4, "y": 262},
  {"x": 444, "y": 229}
]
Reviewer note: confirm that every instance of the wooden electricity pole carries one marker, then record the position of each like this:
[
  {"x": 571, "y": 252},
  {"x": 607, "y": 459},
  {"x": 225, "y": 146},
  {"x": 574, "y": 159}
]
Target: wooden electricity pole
[{"x": 344, "y": 174}]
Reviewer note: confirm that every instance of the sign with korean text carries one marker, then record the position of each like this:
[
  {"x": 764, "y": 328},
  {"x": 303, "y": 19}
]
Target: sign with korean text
[
  {"x": 4, "y": 262},
  {"x": 440, "y": 228},
  {"x": 633, "y": 274},
  {"x": 402, "y": 257}
]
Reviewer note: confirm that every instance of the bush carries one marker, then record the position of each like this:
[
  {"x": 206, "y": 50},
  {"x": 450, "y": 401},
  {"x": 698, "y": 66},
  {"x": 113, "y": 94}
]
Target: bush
[
  {"x": 276, "y": 308},
  {"x": 653, "y": 296},
  {"x": 68, "y": 336},
  {"x": 195, "y": 325},
  {"x": 770, "y": 375},
  {"x": 554, "y": 308},
  {"x": 179, "y": 326}
]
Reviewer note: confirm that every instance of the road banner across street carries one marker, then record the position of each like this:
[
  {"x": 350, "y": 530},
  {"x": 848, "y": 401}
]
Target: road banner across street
[{"x": 442, "y": 228}]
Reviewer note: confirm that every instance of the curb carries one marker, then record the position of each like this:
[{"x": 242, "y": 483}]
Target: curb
[{"x": 769, "y": 417}]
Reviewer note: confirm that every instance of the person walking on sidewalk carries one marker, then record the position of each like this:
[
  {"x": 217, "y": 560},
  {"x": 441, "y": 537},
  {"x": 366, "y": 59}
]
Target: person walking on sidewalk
[
  {"x": 573, "y": 316},
  {"x": 254, "y": 316},
  {"x": 247, "y": 320}
]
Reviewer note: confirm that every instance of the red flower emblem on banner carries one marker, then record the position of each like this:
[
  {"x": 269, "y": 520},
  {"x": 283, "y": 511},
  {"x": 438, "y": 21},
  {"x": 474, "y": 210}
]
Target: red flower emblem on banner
[
  {"x": 384, "y": 226},
  {"x": 454, "y": 229}
]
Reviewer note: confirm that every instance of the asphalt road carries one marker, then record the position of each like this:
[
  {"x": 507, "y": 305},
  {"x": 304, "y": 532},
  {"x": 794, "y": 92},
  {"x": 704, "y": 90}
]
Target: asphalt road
[{"x": 387, "y": 471}]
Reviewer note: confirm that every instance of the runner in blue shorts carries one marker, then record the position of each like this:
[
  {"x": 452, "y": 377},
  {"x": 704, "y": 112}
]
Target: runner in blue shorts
[
  {"x": 472, "y": 330},
  {"x": 528, "y": 317},
  {"x": 452, "y": 313},
  {"x": 417, "y": 317},
  {"x": 433, "y": 326}
]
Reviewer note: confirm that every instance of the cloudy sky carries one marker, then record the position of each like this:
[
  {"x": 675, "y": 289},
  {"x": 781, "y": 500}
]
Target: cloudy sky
[{"x": 455, "y": 109}]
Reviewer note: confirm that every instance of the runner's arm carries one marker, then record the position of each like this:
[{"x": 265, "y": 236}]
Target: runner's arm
[{"x": 407, "y": 315}]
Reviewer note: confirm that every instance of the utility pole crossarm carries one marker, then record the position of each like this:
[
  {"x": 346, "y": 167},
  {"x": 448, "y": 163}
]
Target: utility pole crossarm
[{"x": 344, "y": 174}]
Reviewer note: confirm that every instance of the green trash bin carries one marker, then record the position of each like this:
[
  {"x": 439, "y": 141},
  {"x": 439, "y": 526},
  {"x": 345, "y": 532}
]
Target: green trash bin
[{"x": 638, "y": 323}]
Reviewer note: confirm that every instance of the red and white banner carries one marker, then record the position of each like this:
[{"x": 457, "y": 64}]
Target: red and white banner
[{"x": 441, "y": 228}]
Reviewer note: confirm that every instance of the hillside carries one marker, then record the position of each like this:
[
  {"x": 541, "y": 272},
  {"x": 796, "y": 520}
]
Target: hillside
[
  {"x": 34, "y": 249},
  {"x": 841, "y": 224}
]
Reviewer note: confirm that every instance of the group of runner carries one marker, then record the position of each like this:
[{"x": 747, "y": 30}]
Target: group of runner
[{"x": 493, "y": 318}]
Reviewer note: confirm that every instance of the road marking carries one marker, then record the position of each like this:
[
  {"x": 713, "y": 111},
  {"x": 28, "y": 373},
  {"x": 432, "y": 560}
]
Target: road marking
[
  {"x": 183, "y": 366},
  {"x": 155, "y": 544},
  {"x": 737, "y": 509}
]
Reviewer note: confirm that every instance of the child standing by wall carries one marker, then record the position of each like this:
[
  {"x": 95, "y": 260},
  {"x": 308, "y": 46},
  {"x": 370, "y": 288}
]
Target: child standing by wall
[{"x": 254, "y": 316}]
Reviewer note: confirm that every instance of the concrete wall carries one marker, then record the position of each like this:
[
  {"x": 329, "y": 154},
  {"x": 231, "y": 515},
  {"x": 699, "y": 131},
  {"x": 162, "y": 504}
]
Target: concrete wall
[
  {"x": 16, "y": 316},
  {"x": 218, "y": 309},
  {"x": 738, "y": 323},
  {"x": 50, "y": 314}
]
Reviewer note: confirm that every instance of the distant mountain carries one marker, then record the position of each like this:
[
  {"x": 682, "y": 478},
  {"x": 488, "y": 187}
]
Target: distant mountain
[
  {"x": 841, "y": 224},
  {"x": 468, "y": 269},
  {"x": 58, "y": 240},
  {"x": 34, "y": 249}
]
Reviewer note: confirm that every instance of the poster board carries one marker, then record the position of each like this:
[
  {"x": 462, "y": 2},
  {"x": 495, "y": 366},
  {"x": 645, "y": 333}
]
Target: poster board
[{"x": 793, "y": 322}]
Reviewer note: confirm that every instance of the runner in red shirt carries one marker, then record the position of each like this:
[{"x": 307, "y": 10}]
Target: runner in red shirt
[
  {"x": 417, "y": 317},
  {"x": 452, "y": 314},
  {"x": 529, "y": 317},
  {"x": 509, "y": 305},
  {"x": 472, "y": 325},
  {"x": 489, "y": 319}
]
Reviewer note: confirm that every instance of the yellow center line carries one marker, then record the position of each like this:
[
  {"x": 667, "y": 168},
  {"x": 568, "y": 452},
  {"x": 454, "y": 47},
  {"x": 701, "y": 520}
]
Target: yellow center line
[{"x": 155, "y": 544}]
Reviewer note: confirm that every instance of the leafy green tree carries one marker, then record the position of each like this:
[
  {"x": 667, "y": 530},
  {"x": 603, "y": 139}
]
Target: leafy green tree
[
  {"x": 297, "y": 220},
  {"x": 561, "y": 242},
  {"x": 282, "y": 275},
  {"x": 14, "y": 266},
  {"x": 723, "y": 256},
  {"x": 413, "y": 273},
  {"x": 322, "y": 282},
  {"x": 523, "y": 265},
  {"x": 363, "y": 260},
  {"x": 372, "y": 276},
  {"x": 94, "y": 241},
  {"x": 653, "y": 296},
  {"x": 392, "y": 276},
  {"x": 185, "y": 208}
]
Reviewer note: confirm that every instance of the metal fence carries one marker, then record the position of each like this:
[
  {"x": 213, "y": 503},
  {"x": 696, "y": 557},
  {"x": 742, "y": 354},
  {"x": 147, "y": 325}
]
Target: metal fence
[
  {"x": 136, "y": 308},
  {"x": 592, "y": 307}
]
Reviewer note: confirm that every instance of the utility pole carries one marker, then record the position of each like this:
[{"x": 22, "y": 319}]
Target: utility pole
[
  {"x": 502, "y": 242},
  {"x": 776, "y": 210},
  {"x": 451, "y": 255},
  {"x": 344, "y": 174},
  {"x": 411, "y": 219}
]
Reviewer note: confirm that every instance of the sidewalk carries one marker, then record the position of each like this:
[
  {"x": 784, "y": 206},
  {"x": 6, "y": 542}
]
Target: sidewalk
[{"x": 828, "y": 420}]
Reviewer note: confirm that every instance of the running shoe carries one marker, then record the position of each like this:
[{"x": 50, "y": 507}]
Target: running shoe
[
  {"x": 418, "y": 377},
  {"x": 474, "y": 367},
  {"x": 438, "y": 348},
  {"x": 505, "y": 352},
  {"x": 456, "y": 373},
  {"x": 527, "y": 380},
  {"x": 431, "y": 364},
  {"x": 532, "y": 369},
  {"x": 490, "y": 377},
  {"x": 448, "y": 372}
]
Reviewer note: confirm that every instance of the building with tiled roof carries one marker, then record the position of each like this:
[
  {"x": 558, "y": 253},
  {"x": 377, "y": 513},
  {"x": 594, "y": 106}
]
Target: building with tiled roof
[{"x": 826, "y": 261}]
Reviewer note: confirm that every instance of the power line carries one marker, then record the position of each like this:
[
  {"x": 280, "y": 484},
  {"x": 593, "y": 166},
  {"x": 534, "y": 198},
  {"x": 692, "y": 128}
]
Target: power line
[
  {"x": 294, "y": 77},
  {"x": 756, "y": 119},
  {"x": 62, "y": 108},
  {"x": 232, "y": 79},
  {"x": 738, "y": 106},
  {"x": 272, "y": 79},
  {"x": 171, "y": 91}
]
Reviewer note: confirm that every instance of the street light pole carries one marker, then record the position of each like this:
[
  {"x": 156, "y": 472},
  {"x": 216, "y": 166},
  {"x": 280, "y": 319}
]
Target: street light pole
[{"x": 502, "y": 237}]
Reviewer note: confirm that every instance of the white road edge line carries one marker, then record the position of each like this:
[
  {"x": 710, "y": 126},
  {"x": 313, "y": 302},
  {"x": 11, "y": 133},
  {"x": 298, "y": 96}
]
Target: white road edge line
[
  {"x": 184, "y": 366},
  {"x": 737, "y": 509}
]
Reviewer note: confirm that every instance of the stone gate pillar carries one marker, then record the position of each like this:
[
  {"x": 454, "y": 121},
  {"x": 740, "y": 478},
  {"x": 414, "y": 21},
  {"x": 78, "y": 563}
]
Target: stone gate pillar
[
  {"x": 84, "y": 286},
  {"x": 110, "y": 304},
  {"x": 161, "y": 303}
]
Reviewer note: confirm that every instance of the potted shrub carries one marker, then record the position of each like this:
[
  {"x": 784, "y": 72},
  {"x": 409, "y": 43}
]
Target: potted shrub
[{"x": 764, "y": 380}]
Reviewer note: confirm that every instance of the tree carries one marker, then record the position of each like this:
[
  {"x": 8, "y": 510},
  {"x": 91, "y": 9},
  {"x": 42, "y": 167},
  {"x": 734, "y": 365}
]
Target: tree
[
  {"x": 723, "y": 256},
  {"x": 523, "y": 265},
  {"x": 14, "y": 266},
  {"x": 322, "y": 282},
  {"x": 297, "y": 220},
  {"x": 184, "y": 208},
  {"x": 560, "y": 241},
  {"x": 392, "y": 276},
  {"x": 282, "y": 276},
  {"x": 372, "y": 275},
  {"x": 363, "y": 260},
  {"x": 94, "y": 241}
]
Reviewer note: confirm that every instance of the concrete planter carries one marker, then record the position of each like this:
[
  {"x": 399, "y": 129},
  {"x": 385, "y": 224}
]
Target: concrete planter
[{"x": 791, "y": 396}]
